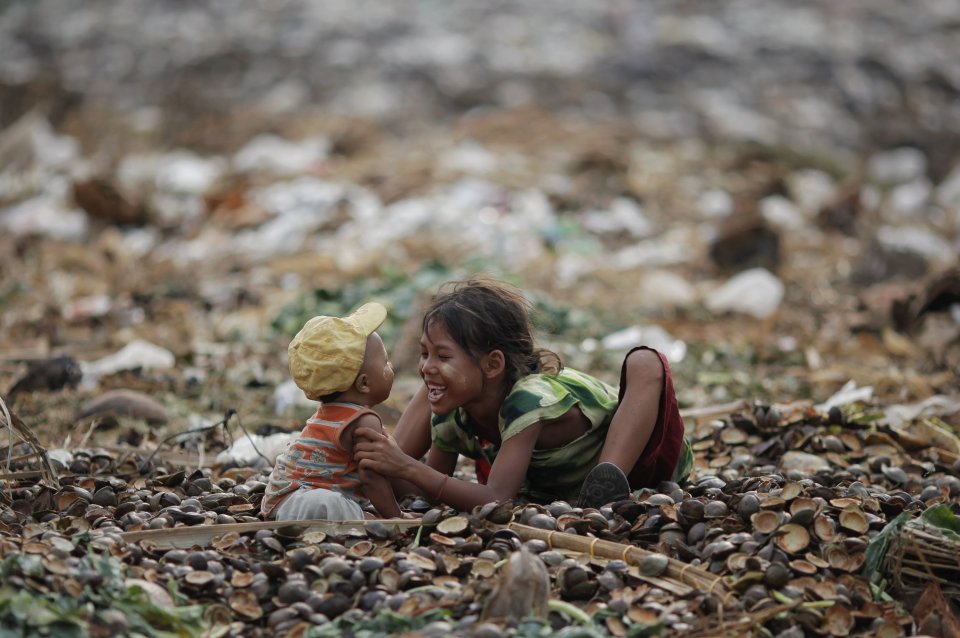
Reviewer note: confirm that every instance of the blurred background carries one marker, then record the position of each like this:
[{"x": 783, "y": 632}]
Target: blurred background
[{"x": 767, "y": 191}]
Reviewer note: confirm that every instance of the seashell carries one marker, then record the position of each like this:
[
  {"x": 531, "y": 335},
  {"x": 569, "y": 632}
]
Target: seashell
[
  {"x": 733, "y": 436},
  {"x": 672, "y": 534},
  {"x": 737, "y": 561},
  {"x": 853, "y": 519},
  {"x": 718, "y": 550},
  {"x": 824, "y": 528},
  {"x": 333, "y": 605},
  {"x": 653, "y": 564},
  {"x": 837, "y": 620},
  {"x": 293, "y": 590},
  {"x": 659, "y": 499},
  {"x": 446, "y": 541},
  {"x": 543, "y": 521},
  {"x": 245, "y": 603},
  {"x": 281, "y": 616},
  {"x": 691, "y": 510},
  {"x": 389, "y": 578},
  {"x": 715, "y": 509},
  {"x": 772, "y": 502},
  {"x": 802, "y": 566},
  {"x": 575, "y": 583},
  {"x": 748, "y": 505},
  {"x": 360, "y": 548},
  {"x": 483, "y": 568},
  {"x": 776, "y": 575},
  {"x": 696, "y": 533},
  {"x": 791, "y": 491},
  {"x": 378, "y": 531},
  {"x": 557, "y": 508},
  {"x": 573, "y": 521},
  {"x": 792, "y": 538},
  {"x": 765, "y": 521},
  {"x": 454, "y": 525}
]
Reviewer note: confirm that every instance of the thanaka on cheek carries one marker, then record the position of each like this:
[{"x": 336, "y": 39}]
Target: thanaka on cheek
[{"x": 452, "y": 376}]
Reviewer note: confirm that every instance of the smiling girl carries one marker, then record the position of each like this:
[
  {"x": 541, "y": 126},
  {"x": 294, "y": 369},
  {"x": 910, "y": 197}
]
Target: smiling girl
[{"x": 537, "y": 431}]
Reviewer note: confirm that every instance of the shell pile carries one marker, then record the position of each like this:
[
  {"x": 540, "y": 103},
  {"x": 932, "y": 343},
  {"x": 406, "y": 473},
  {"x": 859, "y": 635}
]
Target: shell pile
[{"x": 789, "y": 548}]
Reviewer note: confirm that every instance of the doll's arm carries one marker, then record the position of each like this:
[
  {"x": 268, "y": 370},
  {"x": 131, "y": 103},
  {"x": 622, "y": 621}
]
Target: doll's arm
[{"x": 376, "y": 487}]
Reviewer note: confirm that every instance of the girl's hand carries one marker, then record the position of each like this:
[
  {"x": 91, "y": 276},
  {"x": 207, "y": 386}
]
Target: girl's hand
[{"x": 378, "y": 452}]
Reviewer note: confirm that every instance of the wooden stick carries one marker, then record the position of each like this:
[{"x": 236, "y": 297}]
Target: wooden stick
[
  {"x": 16, "y": 476},
  {"x": 201, "y": 535}
]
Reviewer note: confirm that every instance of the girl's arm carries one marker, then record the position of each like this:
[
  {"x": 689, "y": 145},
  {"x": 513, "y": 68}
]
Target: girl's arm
[
  {"x": 376, "y": 452},
  {"x": 412, "y": 432},
  {"x": 376, "y": 487}
]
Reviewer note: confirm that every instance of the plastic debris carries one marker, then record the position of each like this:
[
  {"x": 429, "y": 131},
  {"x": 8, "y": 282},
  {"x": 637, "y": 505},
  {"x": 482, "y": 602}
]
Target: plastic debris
[
  {"x": 136, "y": 354},
  {"x": 756, "y": 292},
  {"x": 274, "y": 155},
  {"x": 846, "y": 395},
  {"x": 654, "y": 336},
  {"x": 255, "y": 450}
]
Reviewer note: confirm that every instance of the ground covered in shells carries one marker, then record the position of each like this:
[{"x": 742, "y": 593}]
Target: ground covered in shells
[{"x": 770, "y": 195}]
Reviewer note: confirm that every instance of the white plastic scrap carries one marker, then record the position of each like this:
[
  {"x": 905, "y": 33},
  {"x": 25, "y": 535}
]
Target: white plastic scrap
[
  {"x": 756, "y": 292},
  {"x": 897, "y": 166},
  {"x": 136, "y": 354},
  {"x": 917, "y": 240},
  {"x": 654, "y": 336},
  {"x": 846, "y": 395},
  {"x": 277, "y": 156},
  {"x": 623, "y": 215},
  {"x": 287, "y": 396},
  {"x": 937, "y": 405},
  {"x": 46, "y": 216},
  {"x": 248, "y": 449}
]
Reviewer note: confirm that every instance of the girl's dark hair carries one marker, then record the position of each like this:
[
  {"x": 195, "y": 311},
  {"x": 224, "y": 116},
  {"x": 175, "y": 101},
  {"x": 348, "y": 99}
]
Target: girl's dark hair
[{"x": 481, "y": 315}]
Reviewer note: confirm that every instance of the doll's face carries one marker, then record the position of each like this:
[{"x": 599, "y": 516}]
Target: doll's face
[{"x": 378, "y": 369}]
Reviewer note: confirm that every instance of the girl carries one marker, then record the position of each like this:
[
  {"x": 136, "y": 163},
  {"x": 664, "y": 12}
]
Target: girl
[{"x": 538, "y": 431}]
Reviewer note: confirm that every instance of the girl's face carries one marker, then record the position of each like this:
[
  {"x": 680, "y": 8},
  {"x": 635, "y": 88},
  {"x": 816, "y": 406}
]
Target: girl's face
[{"x": 453, "y": 377}]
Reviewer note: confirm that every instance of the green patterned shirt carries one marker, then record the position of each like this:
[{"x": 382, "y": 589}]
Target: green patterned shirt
[{"x": 555, "y": 473}]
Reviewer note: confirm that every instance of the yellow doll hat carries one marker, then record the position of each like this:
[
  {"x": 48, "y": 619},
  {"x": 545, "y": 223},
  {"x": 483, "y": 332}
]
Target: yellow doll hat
[{"x": 327, "y": 354}]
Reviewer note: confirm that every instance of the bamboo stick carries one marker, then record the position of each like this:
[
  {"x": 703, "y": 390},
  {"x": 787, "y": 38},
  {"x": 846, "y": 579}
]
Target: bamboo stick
[{"x": 689, "y": 575}]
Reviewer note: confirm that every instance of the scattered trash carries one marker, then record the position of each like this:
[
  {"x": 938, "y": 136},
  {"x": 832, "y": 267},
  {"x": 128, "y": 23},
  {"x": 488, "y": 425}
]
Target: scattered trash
[
  {"x": 136, "y": 354},
  {"x": 756, "y": 292},
  {"x": 846, "y": 395},
  {"x": 653, "y": 336},
  {"x": 273, "y": 155},
  {"x": 254, "y": 450}
]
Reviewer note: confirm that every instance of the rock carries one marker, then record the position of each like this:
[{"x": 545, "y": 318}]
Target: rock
[
  {"x": 125, "y": 404},
  {"x": 48, "y": 374},
  {"x": 746, "y": 243},
  {"x": 101, "y": 200}
]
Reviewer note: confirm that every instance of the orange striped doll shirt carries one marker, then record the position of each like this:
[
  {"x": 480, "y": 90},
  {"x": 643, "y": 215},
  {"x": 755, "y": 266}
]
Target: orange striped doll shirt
[{"x": 317, "y": 458}]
